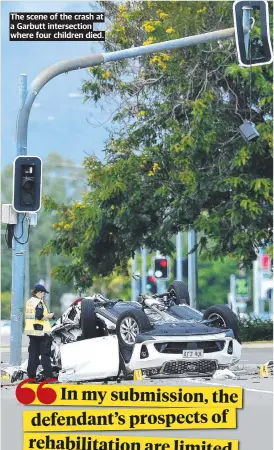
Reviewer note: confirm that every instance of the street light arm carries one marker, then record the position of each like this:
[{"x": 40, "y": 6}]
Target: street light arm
[
  {"x": 39, "y": 82},
  {"x": 94, "y": 60},
  {"x": 171, "y": 45}
]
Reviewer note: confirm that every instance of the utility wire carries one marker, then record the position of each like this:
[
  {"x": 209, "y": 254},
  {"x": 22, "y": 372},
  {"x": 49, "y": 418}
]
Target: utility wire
[
  {"x": 23, "y": 243},
  {"x": 18, "y": 238},
  {"x": 250, "y": 79}
]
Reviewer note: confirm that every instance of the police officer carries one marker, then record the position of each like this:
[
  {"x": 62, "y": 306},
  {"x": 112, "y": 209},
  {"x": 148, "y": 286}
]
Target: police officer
[{"x": 37, "y": 327}]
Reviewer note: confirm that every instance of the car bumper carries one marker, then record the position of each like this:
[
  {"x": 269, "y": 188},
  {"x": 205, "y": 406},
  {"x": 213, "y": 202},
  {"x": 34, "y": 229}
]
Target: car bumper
[{"x": 150, "y": 354}]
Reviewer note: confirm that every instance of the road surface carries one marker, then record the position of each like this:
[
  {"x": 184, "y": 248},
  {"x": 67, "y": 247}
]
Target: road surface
[{"x": 254, "y": 421}]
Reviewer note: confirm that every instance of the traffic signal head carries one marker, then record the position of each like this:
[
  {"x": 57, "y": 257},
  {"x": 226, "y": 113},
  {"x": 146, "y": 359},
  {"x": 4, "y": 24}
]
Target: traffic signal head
[
  {"x": 151, "y": 284},
  {"x": 27, "y": 184},
  {"x": 161, "y": 268}
]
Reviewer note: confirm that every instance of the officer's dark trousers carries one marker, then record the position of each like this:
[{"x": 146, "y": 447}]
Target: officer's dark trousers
[{"x": 39, "y": 346}]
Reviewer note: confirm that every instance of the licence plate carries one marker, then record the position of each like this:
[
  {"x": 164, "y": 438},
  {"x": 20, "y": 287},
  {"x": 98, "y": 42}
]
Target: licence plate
[{"x": 193, "y": 353}]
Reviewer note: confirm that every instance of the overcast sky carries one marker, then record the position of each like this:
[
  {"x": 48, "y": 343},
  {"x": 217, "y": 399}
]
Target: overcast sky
[{"x": 58, "y": 120}]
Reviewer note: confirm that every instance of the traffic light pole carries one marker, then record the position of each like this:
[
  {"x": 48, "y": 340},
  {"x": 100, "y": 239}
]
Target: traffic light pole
[
  {"x": 133, "y": 281},
  {"x": 192, "y": 269},
  {"x": 179, "y": 258},
  {"x": 144, "y": 270},
  {"x": 18, "y": 257},
  {"x": 22, "y": 131},
  {"x": 161, "y": 284},
  {"x": 27, "y": 273}
]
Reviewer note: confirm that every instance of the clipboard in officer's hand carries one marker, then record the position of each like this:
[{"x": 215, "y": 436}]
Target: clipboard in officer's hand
[{"x": 39, "y": 311}]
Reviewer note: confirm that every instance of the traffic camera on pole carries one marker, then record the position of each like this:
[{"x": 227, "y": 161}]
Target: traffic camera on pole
[
  {"x": 27, "y": 184},
  {"x": 161, "y": 268}
]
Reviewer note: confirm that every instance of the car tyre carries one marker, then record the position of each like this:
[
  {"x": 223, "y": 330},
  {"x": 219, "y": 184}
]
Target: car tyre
[
  {"x": 88, "y": 319},
  {"x": 225, "y": 317},
  {"x": 181, "y": 292},
  {"x": 129, "y": 324}
]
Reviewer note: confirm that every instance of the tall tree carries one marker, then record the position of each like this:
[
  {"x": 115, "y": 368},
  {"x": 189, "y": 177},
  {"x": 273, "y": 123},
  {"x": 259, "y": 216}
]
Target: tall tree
[{"x": 175, "y": 158}]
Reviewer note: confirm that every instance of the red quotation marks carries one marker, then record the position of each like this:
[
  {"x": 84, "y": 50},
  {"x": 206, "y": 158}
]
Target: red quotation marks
[{"x": 26, "y": 395}]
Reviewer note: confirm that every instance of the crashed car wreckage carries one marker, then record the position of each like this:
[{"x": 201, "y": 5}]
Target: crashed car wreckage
[{"x": 100, "y": 339}]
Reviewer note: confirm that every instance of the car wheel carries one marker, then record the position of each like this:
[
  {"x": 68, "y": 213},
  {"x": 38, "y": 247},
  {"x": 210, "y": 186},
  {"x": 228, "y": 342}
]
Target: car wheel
[
  {"x": 224, "y": 318},
  {"x": 88, "y": 319},
  {"x": 181, "y": 292},
  {"x": 129, "y": 324}
]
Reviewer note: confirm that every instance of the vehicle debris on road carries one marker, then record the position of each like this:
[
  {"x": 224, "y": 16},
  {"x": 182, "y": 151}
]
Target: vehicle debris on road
[{"x": 224, "y": 375}]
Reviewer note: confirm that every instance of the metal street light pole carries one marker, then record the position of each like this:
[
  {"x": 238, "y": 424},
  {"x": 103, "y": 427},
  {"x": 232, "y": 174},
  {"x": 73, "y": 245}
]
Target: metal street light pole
[
  {"x": 179, "y": 265},
  {"x": 22, "y": 131},
  {"x": 18, "y": 256},
  {"x": 192, "y": 269},
  {"x": 133, "y": 280},
  {"x": 144, "y": 270},
  {"x": 247, "y": 22}
]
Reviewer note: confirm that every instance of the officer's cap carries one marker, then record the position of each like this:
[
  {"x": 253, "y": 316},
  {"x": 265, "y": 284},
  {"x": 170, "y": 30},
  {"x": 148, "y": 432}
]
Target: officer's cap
[{"x": 41, "y": 288}]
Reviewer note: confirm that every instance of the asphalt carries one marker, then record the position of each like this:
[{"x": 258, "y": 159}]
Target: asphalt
[{"x": 254, "y": 421}]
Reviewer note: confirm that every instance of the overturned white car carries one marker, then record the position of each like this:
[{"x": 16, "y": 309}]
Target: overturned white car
[{"x": 99, "y": 339}]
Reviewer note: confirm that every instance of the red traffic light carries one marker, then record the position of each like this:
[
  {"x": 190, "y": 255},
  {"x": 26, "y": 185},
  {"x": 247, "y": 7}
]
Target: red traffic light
[
  {"x": 151, "y": 284},
  {"x": 151, "y": 279},
  {"x": 265, "y": 262},
  {"x": 163, "y": 263}
]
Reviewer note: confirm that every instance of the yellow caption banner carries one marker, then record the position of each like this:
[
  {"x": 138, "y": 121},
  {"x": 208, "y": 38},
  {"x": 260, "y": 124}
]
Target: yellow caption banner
[
  {"x": 131, "y": 419},
  {"x": 93, "y": 442},
  {"x": 143, "y": 396}
]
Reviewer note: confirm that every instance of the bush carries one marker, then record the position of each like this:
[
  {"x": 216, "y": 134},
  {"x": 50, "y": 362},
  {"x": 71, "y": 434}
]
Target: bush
[
  {"x": 255, "y": 329},
  {"x": 5, "y": 305}
]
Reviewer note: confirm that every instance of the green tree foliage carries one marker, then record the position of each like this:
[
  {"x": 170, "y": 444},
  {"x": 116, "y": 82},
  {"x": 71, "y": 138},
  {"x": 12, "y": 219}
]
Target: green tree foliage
[
  {"x": 5, "y": 305},
  {"x": 255, "y": 329},
  {"x": 214, "y": 281},
  {"x": 175, "y": 158}
]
